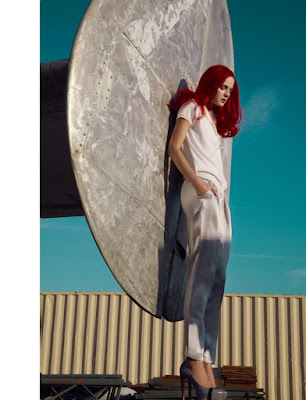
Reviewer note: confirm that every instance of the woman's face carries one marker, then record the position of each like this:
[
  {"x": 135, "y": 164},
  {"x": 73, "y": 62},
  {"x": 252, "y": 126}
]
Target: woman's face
[{"x": 223, "y": 93}]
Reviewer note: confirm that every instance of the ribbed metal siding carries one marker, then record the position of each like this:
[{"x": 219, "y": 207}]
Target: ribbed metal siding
[{"x": 108, "y": 333}]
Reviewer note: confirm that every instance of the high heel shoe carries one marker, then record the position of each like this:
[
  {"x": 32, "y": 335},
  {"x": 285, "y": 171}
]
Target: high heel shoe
[{"x": 203, "y": 393}]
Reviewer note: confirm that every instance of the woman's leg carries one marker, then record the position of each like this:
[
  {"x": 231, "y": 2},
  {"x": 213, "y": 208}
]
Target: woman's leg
[
  {"x": 214, "y": 303},
  {"x": 203, "y": 222}
]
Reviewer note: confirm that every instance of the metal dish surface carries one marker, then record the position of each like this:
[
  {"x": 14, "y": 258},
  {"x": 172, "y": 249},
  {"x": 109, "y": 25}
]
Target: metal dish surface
[{"x": 127, "y": 59}]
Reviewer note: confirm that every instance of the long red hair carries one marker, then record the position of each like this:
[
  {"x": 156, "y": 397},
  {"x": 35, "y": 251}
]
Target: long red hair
[{"x": 228, "y": 115}]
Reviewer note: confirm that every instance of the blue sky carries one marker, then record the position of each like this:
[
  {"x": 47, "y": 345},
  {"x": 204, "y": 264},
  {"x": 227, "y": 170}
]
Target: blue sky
[{"x": 268, "y": 169}]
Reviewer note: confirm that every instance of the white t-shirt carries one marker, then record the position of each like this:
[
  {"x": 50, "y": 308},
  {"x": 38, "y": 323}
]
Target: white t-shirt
[{"x": 203, "y": 145}]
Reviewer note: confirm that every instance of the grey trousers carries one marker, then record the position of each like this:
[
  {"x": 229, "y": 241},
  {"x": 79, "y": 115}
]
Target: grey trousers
[{"x": 209, "y": 239}]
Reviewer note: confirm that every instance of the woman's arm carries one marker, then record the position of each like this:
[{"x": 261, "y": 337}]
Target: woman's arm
[{"x": 175, "y": 153}]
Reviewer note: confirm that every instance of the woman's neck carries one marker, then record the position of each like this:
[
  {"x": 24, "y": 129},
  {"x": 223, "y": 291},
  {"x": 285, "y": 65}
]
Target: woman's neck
[{"x": 209, "y": 105}]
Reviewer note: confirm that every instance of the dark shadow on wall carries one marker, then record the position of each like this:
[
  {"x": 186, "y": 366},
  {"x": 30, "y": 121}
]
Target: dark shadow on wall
[{"x": 172, "y": 269}]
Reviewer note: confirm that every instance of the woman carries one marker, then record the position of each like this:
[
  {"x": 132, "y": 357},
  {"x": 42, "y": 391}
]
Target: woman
[{"x": 205, "y": 118}]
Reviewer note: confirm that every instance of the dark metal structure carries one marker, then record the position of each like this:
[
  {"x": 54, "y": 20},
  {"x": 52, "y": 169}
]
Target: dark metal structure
[
  {"x": 59, "y": 193},
  {"x": 77, "y": 387}
]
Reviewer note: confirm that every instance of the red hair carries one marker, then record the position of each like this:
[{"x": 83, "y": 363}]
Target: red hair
[{"x": 228, "y": 115}]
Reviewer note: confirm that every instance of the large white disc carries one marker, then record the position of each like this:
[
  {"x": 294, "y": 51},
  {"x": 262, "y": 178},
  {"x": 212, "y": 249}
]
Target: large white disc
[{"x": 127, "y": 59}]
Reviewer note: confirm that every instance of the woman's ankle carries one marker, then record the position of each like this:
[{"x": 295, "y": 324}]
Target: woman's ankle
[
  {"x": 198, "y": 371},
  {"x": 210, "y": 374}
]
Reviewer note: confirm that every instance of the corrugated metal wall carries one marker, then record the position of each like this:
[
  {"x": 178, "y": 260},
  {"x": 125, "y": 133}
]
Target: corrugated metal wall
[{"x": 108, "y": 333}]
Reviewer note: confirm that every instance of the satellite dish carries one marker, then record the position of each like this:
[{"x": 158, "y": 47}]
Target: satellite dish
[{"x": 127, "y": 59}]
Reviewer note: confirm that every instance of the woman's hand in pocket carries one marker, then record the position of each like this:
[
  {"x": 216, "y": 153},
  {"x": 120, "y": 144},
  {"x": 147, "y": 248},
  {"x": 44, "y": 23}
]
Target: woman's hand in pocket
[{"x": 203, "y": 187}]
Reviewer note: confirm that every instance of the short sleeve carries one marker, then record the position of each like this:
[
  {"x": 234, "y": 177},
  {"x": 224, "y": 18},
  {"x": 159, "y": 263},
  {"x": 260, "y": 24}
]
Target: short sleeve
[{"x": 187, "y": 111}]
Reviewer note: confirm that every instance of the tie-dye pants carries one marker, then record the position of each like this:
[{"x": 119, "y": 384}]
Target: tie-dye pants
[{"x": 209, "y": 239}]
